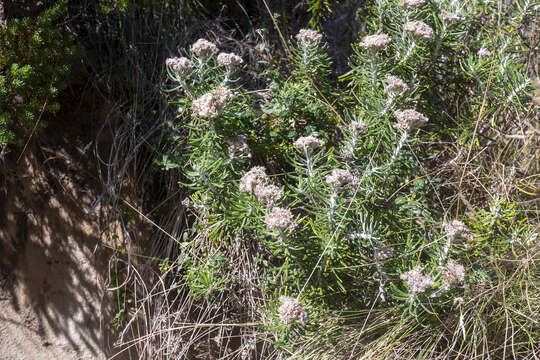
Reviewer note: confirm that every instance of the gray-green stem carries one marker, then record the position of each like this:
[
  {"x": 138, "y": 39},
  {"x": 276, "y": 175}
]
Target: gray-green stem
[
  {"x": 332, "y": 205},
  {"x": 439, "y": 42},
  {"x": 373, "y": 68},
  {"x": 309, "y": 161},
  {"x": 409, "y": 52}
]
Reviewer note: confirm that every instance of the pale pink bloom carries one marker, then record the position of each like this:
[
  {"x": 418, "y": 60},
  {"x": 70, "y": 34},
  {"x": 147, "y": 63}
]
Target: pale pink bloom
[
  {"x": 375, "y": 42},
  {"x": 416, "y": 280},
  {"x": 229, "y": 59},
  {"x": 211, "y": 104},
  {"x": 179, "y": 64},
  {"x": 254, "y": 177},
  {"x": 308, "y": 143},
  {"x": 449, "y": 17},
  {"x": 339, "y": 178},
  {"x": 453, "y": 273},
  {"x": 280, "y": 219},
  {"x": 395, "y": 85},
  {"x": 307, "y": 37},
  {"x": 358, "y": 126},
  {"x": 483, "y": 52},
  {"x": 292, "y": 310},
  {"x": 409, "y": 119},
  {"x": 411, "y": 3},
  {"x": 457, "y": 230},
  {"x": 420, "y": 30},
  {"x": 268, "y": 195},
  {"x": 204, "y": 48}
]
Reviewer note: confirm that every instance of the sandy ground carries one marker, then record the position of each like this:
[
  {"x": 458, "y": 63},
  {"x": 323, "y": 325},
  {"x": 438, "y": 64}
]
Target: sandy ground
[{"x": 52, "y": 263}]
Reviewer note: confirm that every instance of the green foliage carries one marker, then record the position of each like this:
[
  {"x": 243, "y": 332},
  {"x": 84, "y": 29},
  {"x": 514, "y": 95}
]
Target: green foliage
[
  {"x": 35, "y": 57},
  {"x": 319, "y": 9},
  {"x": 298, "y": 104},
  {"x": 208, "y": 278}
]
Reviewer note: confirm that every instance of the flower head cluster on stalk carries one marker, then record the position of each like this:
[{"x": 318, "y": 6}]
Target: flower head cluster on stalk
[
  {"x": 457, "y": 230},
  {"x": 307, "y": 37},
  {"x": 357, "y": 126},
  {"x": 376, "y": 42},
  {"x": 409, "y": 119},
  {"x": 179, "y": 64},
  {"x": 280, "y": 219},
  {"x": 417, "y": 281},
  {"x": 204, "y": 48},
  {"x": 420, "y": 30},
  {"x": 449, "y": 17},
  {"x": 308, "y": 143},
  {"x": 211, "y": 104},
  {"x": 395, "y": 85},
  {"x": 411, "y": 3},
  {"x": 339, "y": 178},
  {"x": 452, "y": 273},
  {"x": 253, "y": 178},
  {"x": 291, "y": 310},
  {"x": 268, "y": 195},
  {"x": 229, "y": 59}
]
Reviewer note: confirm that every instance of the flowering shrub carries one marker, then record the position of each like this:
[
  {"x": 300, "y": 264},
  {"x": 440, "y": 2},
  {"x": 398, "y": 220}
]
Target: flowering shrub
[{"x": 329, "y": 183}]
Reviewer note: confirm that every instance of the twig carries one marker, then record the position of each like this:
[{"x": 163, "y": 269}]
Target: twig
[{"x": 33, "y": 130}]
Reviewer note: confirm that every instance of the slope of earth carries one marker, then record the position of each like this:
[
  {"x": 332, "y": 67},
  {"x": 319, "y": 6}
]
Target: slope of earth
[{"x": 53, "y": 257}]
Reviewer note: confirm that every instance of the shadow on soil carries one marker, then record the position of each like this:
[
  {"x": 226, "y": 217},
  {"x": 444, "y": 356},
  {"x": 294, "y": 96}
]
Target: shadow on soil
[{"x": 52, "y": 262}]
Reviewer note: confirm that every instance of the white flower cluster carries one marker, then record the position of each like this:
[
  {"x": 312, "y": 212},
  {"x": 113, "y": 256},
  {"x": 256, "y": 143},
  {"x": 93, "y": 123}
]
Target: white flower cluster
[
  {"x": 254, "y": 177},
  {"x": 456, "y": 230},
  {"x": 453, "y": 273},
  {"x": 409, "y": 119},
  {"x": 449, "y": 17},
  {"x": 292, "y": 310},
  {"x": 211, "y": 104},
  {"x": 205, "y": 107},
  {"x": 268, "y": 195},
  {"x": 178, "y": 64},
  {"x": 416, "y": 280},
  {"x": 229, "y": 59},
  {"x": 358, "y": 126},
  {"x": 280, "y": 219},
  {"x": 375, "y": 42},
  {"x": 411, "y": 3},
  {"x": 339, "y": 178},
  {"x": 307, "y": 37},
  {"x": 204, "y": 48},
  {"x": 483, "y": 52},
  {"x": 420, "y": 30},
  {"x": 238, "y": 144},
  {"x": 382, "y": 253},
  {"x": 255, "y": 182},
  {"x": 187, "y": 203},
  {"x": 395, "y": 85},
  {"x": 308, "y": 143}
]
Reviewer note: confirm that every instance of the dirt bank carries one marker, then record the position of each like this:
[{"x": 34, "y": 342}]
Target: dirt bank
[{"x": 53, "y": 259}]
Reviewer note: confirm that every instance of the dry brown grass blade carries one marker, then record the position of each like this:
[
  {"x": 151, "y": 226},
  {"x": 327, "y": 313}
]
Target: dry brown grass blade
[{"x": 476, "y": 126}]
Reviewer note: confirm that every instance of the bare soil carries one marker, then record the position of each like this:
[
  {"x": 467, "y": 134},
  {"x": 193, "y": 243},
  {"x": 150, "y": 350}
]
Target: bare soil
[{"x": 53, "y": 259}]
